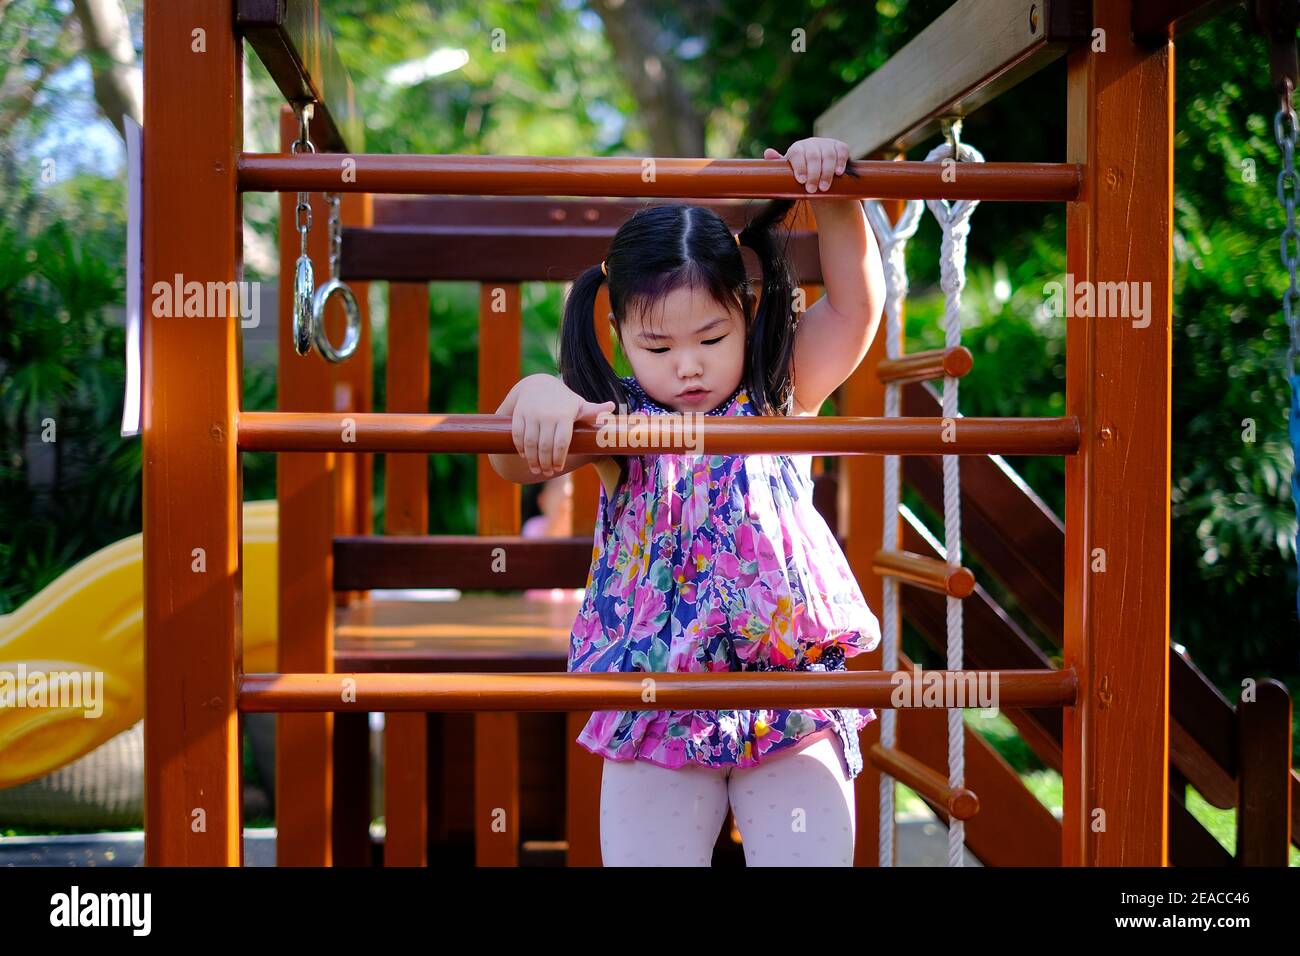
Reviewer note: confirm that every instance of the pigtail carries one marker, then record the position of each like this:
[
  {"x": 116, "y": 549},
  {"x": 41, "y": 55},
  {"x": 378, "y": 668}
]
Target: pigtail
[
  {"x": 583, "y": 365},
  {"x": 771, "y": 350}
]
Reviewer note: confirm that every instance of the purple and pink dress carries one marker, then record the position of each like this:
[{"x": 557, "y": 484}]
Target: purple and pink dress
[{"x": 717, "y": 563}]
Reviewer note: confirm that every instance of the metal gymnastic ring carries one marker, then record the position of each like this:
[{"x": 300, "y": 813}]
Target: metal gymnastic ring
[
  {"x": 304, "y": 283},
  {"x": 352, "y": 336}
]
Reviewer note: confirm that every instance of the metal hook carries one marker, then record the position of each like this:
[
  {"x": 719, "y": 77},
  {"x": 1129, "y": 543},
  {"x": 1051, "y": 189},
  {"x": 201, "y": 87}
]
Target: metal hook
[{"x": 951, "y": 127}]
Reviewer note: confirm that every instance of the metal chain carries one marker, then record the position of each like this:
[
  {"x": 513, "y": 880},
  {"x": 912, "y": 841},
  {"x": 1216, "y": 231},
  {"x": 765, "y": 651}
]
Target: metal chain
[
  {"x": 336, "y": 234},
  {"x": 303, "y": 142},
  {"x": 1290, "y": 241}
]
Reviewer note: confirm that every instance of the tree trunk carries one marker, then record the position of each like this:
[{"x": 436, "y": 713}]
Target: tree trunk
[
  {"x": 674, "y": 126},
  {"x": 106, "y": 34}
]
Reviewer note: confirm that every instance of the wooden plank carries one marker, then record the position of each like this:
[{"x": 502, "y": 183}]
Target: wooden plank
[
  {"x": 1264, "y": 805},
  {"x": 499, "y": 367},
  {"x": 461, "y": 561},
  {"x": 350, "y": 821},
  {"x": 406, "y": 782},
  {"x": 496, "y": 735},
  {"x": 293, "y": 42},
  {"x": 192, "y": 480},
  {"x": 602, "y": 213},
  {"x": 970, "y": 54},
  {"x": 407, "y": 805},
  {"x": 486, "y": 253},
  {"x": 497, "y": 834},
  {"x": 305, "y": 487},
  {"x": 444, "y": 237},
  {"x": 406, "y": 477},
  {"x": 1116, "y": 759}
]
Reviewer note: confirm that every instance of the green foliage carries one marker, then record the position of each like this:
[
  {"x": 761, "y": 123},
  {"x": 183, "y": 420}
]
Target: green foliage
[{"x": 61, "y": 359}]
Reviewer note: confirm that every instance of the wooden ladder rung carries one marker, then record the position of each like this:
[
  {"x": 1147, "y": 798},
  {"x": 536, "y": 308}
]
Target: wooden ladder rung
[
  {"x": 930, "y": 573},
  {"x": 961, "y": 802},
  {"x": 922, "y": 366}
]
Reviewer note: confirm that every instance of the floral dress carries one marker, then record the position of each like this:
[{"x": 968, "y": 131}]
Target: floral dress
[{"x": 717, "y": 563}]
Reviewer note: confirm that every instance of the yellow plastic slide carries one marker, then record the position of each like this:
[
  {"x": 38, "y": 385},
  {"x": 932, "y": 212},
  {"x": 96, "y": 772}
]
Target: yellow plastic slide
[{"x": 80, "y": 642}]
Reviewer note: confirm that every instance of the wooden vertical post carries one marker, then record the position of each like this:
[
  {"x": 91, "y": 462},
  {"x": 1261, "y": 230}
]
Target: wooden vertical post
[
  {"x": 305, "y": 489},
  {"x": 354, "y": 490},
  {"x": 192, "y": 485},
  {"x": 1264, "y": 776},
  {"x": 1116, "y": 740},
  {"x": 496, "y": 735},
  {"x": 406, "y": 512}
]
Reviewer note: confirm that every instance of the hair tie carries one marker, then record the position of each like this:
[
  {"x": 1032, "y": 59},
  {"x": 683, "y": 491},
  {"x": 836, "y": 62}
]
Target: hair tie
[{"x": 603, "y": 271}]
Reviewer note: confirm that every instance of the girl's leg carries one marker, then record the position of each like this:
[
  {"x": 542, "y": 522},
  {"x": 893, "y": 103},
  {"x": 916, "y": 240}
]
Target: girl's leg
[
  {"x": 796, "y": 808},
  {"x": 653, "y": 816}
]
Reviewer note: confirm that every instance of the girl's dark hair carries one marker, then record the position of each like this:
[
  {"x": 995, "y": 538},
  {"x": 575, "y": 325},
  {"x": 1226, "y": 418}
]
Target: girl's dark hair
[{"x": 666, "y": 247}]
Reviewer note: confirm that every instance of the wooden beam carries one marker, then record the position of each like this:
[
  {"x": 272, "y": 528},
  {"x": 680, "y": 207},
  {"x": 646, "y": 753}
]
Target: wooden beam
[
  {"x": 1118, "y": 382},
  {"x": 468, "y": 562},
  {"x": 502, "y": 254},
  {"x": 974, "y": 51},
  {"x": 293, "y": 42},
  {"x": 515, "y": 238},
  {"x": 192, "y": 485}
]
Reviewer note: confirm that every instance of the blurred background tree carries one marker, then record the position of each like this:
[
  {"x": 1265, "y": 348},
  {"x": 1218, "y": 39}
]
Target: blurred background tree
[{"x": 715, "y": 77}]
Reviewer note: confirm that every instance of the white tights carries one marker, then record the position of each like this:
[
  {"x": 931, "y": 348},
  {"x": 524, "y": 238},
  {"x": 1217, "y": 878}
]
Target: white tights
[{"x": 796, "y": 808}]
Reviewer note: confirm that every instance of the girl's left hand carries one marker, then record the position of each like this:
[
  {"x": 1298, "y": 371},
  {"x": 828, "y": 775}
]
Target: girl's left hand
[{"x": 815, "y": 160}]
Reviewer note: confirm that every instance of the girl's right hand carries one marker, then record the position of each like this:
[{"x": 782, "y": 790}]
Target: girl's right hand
[{"x": 542, "y": 424}]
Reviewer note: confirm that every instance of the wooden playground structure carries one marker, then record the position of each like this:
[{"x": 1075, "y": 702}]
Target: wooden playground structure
[{"x": 1128, "y": 722}]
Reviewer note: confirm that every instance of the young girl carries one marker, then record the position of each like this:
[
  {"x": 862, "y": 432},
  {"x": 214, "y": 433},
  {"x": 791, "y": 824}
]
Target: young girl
[{"x": 715, "y": 562}]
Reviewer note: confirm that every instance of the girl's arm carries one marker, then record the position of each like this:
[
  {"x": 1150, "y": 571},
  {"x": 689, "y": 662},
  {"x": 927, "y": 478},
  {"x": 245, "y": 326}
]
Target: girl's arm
[
  {"x": 515, "y": 467},
  {"x": 834, "y": 334}
]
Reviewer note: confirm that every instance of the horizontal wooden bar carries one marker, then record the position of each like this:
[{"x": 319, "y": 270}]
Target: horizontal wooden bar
[
  {"x": 341, "y": 693},
  {"x": 962, "y": 803},
  {"x": 973, "y": 52},
  {"x": 929, "y": 573},
  {"x": 663, "y": 434},
  {"x": 626, "y": 176},
  {"x": 295, "y": 46},
  {"x": 922, "y": 366},
  {"x": 470, "y": 562}
]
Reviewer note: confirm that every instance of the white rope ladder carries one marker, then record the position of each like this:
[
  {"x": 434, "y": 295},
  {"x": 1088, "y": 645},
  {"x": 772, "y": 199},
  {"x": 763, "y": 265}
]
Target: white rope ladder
[{"x": 954, "y": 222}]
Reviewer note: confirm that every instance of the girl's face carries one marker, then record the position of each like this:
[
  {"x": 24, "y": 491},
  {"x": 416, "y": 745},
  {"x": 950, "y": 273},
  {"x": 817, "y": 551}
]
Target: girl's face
[{"x": 692, "y": 356}]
